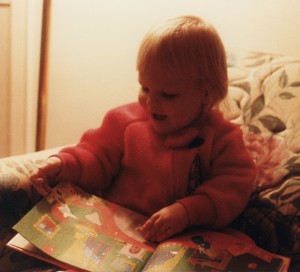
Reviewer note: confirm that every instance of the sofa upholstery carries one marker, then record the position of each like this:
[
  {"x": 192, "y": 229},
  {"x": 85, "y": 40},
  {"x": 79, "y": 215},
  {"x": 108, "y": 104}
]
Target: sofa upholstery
[
  {"x": 264, "y": 100},
  {"x": 17, "y": 197}
]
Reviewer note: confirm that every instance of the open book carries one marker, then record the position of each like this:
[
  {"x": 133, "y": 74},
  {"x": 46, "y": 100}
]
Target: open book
[{"x": 75, "y": 230}]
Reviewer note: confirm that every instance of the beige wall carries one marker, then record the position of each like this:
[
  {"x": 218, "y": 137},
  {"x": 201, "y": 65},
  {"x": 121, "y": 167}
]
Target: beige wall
[
  {"x": 92, "y": 57},
  {"x": 93, "y": 48}
]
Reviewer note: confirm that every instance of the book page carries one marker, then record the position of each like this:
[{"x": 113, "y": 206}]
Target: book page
[
  {"x": 19, "y": 243},
  {"x": 201, "y": 250},
  {"x": 86, "y": 231}
]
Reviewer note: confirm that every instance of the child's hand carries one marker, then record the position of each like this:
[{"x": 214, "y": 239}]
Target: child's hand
[
  {"x": 44, "y": 176},
  {"x": 165, "y": 223}
]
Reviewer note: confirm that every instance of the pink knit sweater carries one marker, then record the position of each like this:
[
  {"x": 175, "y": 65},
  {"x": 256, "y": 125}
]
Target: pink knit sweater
[{"x": 204, "y": 167}]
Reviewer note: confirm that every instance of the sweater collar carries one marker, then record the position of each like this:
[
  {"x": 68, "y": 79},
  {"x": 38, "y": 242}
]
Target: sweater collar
[{"x": 191, "y": 136}]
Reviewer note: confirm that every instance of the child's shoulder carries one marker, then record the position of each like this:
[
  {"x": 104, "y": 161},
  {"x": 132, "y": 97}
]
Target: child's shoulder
[
  {"x": 219, "y": 122},
  {"x": 127, "y": 113},
  {"x": 133, "y": 106}
]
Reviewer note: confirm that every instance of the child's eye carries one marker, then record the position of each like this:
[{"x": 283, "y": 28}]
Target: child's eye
[{"x": 169, "y": 96}]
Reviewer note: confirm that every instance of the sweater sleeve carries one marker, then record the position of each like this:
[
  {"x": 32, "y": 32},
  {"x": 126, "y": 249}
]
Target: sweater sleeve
[
  {"x": 223, "y": 196},
  {"x": 95, "y": 160}
]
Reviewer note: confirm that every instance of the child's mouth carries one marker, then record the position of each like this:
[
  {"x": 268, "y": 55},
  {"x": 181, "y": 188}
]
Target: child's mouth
[{"x": 158, "y": 117}]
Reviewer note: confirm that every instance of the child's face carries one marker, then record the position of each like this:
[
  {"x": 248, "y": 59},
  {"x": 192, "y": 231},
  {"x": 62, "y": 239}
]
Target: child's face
[{"x": 170, "y": 104}]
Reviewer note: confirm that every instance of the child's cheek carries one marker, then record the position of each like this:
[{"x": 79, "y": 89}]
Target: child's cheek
[{"x": 142, "y": 99}]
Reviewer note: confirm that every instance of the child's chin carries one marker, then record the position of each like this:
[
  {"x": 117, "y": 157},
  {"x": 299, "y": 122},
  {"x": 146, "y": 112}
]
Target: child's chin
[{"x": 162, "y": 130}]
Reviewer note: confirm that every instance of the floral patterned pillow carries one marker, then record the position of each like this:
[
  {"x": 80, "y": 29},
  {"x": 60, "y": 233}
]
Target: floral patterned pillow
[{"x": 264, "y": 100}]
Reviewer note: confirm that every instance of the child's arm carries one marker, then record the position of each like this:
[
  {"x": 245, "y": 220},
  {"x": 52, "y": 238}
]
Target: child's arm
[{"x": 43, "y": 178}]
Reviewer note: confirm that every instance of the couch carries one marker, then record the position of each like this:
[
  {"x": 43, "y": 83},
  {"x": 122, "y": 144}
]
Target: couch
[{"x": 264, "y": 100}]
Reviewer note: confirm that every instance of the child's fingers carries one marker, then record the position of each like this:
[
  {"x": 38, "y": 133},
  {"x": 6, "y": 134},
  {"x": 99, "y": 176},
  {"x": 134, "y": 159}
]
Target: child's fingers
[
  {"x": 42, "y": 177},
  {"x": 157, "y": 227},
  {"x": 41, "y": 186},
  {"x": 39, "y": 180},
  {"x": 156, "y": 221},
  {"x": 147, "y": 225},
  {"x": 49, "y": 169},
  {"x": 162, "y": 235}
]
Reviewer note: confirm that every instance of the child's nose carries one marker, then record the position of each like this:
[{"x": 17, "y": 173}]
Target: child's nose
[{"x": 153, "y": 102}]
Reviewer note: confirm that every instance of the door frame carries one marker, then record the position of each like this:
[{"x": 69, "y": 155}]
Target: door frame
[{"x": 26, "y": 22}]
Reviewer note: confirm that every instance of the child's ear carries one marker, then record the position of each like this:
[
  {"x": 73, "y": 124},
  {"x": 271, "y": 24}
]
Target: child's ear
[
  {"x": 202, "y": 86},
  {"x": 208, "y": 103},
  {"x": 207, "y": 107}
]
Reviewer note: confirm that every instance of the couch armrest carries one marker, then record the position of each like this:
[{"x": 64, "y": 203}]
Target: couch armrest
[
  {"x": 17, "y": 197},
  {"x": 16, "y": 193}
]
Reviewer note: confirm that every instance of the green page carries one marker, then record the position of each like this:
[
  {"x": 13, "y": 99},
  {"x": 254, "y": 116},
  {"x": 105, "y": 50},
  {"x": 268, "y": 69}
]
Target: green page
[{"x": 86, "y": 231}]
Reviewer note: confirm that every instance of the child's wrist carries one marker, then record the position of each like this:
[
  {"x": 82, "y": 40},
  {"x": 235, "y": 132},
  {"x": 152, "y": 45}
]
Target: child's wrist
[{"x": 184, "y": 213}]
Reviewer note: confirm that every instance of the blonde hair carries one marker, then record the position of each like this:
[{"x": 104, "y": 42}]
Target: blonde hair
[{"x": 187, "y": 48}]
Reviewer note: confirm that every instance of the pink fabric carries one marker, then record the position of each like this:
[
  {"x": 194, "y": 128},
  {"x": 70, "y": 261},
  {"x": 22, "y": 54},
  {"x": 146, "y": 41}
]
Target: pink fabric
[{"x": 138, "y": 169}]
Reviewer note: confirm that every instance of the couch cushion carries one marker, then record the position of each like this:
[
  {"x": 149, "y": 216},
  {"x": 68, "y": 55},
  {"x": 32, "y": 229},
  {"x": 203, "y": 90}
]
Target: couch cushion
[{"x": 264, "y": 99}]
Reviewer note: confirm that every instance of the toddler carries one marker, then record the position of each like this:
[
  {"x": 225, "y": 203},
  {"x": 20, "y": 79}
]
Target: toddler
[{"x": 170, "y": 156}]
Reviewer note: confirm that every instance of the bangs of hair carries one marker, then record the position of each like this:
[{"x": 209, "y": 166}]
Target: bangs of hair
[{"x": 171, "y": 49}]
